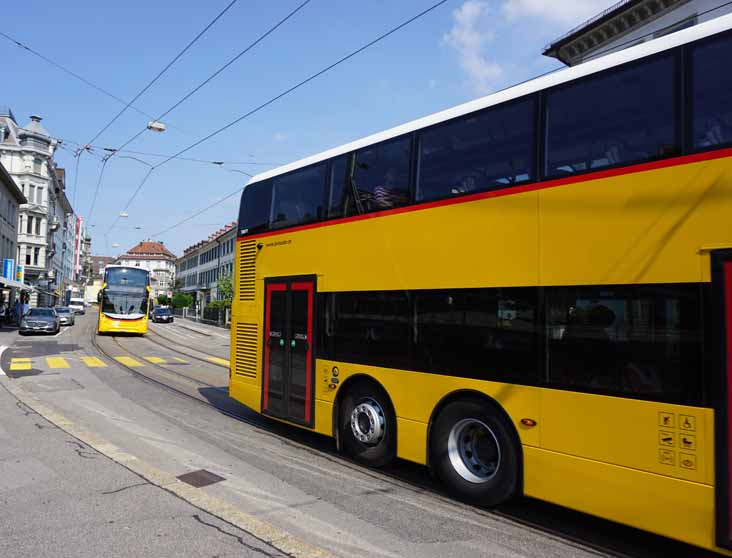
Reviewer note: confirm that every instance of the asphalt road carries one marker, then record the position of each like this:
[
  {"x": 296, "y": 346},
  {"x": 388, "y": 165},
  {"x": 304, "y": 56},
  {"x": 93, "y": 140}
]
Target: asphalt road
[{"x": 161, "y": 403}]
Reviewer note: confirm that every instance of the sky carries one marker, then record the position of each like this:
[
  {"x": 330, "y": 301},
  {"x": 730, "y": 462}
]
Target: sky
[{"x": 460, "y": 51}]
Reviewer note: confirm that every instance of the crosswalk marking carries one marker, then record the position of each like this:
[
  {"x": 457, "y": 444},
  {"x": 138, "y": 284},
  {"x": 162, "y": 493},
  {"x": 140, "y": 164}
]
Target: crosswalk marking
[
  {"x": 128, "y": 361},
  {"x": 218, "y": 360},
  {"x": 20, "y": 364},
  {"x": 155, "y": 360},
  {"x": 57, "y": 362},
  {"x": 93, "y": 362}
]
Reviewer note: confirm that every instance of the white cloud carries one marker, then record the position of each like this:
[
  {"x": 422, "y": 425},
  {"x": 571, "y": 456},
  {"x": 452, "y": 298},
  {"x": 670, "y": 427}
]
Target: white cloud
[
  {"x": 469, "y": 40},
  {"x": 280, "y": 136},
  {"x": 564, "y": 12}
]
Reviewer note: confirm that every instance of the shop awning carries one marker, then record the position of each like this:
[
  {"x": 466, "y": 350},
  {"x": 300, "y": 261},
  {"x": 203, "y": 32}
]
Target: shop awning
[{"x": 10, "y": 284}]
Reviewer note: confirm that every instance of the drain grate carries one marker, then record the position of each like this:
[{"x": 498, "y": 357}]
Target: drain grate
[{"x": 200, "y": 478}]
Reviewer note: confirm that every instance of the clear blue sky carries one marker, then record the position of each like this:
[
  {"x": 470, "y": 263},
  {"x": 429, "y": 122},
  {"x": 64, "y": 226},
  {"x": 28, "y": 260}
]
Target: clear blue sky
[{"x": 460, "y": 51}]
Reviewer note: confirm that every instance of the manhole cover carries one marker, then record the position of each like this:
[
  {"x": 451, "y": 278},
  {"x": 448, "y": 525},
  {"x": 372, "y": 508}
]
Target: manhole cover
[{"x": 200, "y": 478}]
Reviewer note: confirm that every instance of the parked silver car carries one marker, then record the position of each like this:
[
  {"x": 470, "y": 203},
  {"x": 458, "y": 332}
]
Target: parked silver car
[
  {"x": 65, "y": 315},
  {"x": 40, "y": 320}
]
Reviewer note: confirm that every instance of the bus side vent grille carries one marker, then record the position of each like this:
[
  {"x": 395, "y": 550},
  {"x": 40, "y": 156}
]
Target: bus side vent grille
[
  {"x": 246, "y": 350},
  {"x": 247, "y": 258}
]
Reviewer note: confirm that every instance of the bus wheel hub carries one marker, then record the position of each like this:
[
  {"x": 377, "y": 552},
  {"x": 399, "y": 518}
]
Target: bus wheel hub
[{"x": 367, "y": 422}]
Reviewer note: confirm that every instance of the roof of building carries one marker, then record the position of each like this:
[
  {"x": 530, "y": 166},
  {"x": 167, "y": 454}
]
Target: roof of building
[
  {"x": 211, "y": 238},
  {"x": 5, "y": 111},
  {"x": 35, "y": 126},
  {"x": 149, "y": 249}
]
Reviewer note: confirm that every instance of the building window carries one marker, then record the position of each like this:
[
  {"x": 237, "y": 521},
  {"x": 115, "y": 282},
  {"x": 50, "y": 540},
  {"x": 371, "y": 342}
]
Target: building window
[
  {"x": 38, "y": 226},
  {"x": 36, "y": 255},
  {"x": 37, "y": 166},
  {"x": 29, "y": 229},
  {"x": 39, "y": 195},
  {"x": 31, "y": 193},
  {"x": 27, "y": 257}
]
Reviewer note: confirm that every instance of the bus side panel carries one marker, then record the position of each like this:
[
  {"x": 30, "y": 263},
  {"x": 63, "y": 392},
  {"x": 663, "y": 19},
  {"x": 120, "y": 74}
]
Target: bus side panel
[
  {"x": 645, "y": 227},
  {"x": 670, "y": 507},
  {"x": 245, "y": 379},
  {"x": 415, "y": 395}
]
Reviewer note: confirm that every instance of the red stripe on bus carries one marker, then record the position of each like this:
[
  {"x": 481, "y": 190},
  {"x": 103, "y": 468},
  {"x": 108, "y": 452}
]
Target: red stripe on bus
[
  {"x": 598, "y": 175},
  {"x": 308, "y": 287},
  {"x": 728, "y": 337}
]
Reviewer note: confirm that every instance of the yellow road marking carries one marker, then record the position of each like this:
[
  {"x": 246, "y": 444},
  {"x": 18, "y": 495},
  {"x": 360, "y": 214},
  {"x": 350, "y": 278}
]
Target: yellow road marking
[
  {"x": 20, "y": 366},
  {"x": 155, "y": 360},
  {"x": 93, "y": 362},
  {"x": 20, "y": 359},
  {"x": 180, "y": 360},
  {"x": 57, "y": 362},
  {"x": 218, "y": 360},
  {"x": 128, "y": 361}
]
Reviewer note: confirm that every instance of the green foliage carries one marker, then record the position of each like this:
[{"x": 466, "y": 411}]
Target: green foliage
[
  {"x": 163, "y": 300},
  {"x": 219, "y": 304},
  {"x": 225, "y": 288},
  {"x": 182, "y": 300}
]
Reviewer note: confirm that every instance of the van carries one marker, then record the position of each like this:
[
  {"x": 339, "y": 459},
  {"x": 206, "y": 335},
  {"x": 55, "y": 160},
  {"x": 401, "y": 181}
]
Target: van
[{"x": 77, "y": 305}]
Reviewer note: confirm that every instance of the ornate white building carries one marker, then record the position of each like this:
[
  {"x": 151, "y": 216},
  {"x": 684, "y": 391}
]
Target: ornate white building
[{"x": 46, "y": 223}]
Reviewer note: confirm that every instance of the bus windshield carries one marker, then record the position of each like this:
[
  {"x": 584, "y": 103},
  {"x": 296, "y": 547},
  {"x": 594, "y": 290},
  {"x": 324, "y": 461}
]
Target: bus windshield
[{"x": 125, "y": 293}]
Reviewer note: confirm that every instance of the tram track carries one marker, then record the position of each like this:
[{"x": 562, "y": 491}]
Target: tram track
[
  {"x": 518, "y": 514},
  {"x": 179, "y": 344}
]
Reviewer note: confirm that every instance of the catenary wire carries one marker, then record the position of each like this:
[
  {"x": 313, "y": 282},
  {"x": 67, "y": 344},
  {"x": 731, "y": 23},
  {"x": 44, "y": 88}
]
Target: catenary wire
[
  {"x": 74, "y": 74},
  {"x": 283, "y": 94},
  {"x": 241, "y": 53},
  {"x": 166, "y": 68}
]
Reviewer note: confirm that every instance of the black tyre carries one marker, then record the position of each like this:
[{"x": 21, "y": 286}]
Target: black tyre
[
  {"x": 368, "y": 425},
  {"x": 474, "y": 452}
]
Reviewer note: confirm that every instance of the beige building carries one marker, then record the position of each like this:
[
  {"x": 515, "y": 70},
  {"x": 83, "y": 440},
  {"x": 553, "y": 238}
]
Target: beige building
[{"x": 158, "y": 260}]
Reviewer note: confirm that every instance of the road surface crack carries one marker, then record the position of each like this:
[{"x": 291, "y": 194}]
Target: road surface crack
[
  {"x": 237, "y": 537},
  {"x": 126, "y": 487}
]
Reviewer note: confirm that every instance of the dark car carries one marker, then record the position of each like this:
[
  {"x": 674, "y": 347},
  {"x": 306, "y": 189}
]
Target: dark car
[
  {"x": 40, "y": 320},
  {"x": 65, "y": 315},
  {"x": 162, "y": 315}
]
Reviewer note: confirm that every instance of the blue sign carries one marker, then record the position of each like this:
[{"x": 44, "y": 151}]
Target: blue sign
[{"x": 9, "y": 268}]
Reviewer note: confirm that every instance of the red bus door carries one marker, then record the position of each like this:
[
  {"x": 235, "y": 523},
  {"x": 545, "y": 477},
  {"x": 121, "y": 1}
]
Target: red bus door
[
  {"x": 721, "y": 310},
  {"x": 288, "y": 386}
]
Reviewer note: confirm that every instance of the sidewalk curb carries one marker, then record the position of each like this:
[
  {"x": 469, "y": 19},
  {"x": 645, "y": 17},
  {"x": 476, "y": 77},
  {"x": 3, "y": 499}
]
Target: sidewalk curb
[{"x": 260, "y": 529}]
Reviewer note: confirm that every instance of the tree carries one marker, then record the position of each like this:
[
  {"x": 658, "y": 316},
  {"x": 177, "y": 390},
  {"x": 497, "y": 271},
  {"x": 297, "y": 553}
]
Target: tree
[
  {"x": 182, "y": 300},
  {"x": 225, "y": 290},
  {"x": 163, "y": 300}
]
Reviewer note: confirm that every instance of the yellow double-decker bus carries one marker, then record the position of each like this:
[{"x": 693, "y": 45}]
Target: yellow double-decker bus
[
  {"x": 123, "y": 300},
  {"x": 530, "y": 293}
]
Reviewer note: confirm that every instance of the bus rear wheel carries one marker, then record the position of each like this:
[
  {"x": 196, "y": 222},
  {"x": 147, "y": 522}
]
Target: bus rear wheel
[
  {"x": 368, "y": 425},
  {"x": 474, "y": 453}
]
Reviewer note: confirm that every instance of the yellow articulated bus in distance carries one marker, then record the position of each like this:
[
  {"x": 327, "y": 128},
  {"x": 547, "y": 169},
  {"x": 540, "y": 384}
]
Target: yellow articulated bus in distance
[
  {"x": 530, "y": 293},
  {"x": 124, "y": 300}
]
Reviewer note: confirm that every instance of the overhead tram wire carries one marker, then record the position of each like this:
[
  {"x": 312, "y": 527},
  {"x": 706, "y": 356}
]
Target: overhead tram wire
[
  {"x": 199, "y": 212},
  {"x": 241, "y": 53},
  {"x": 283, "y": 94},
  {"x": 74, "y": 74},
  {"x": 165, "y": 69}
]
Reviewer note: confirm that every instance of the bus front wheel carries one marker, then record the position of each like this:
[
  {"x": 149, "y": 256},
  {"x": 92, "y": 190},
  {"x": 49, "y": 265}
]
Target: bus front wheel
[
  {"x": 368, "y": 425},
  {"x": 474, "y": 453}
]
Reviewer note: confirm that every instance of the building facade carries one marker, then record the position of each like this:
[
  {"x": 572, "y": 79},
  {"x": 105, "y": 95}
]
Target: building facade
[
  {"x": 158, "y": 260},
  {"x": 630, "y": 22},
  {"x": 204, "y": 263},
  {"x": 11, "y": 198},
  {"x": 44, "y": 247}
]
